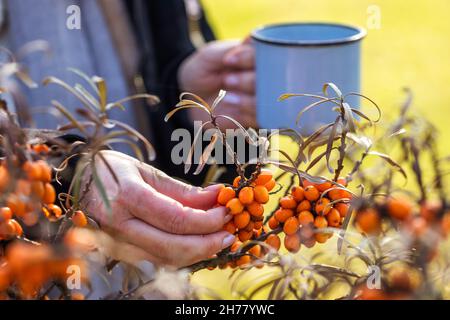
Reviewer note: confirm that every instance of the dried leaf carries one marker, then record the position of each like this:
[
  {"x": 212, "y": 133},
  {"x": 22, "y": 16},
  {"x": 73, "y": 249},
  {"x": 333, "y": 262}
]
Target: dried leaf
[
  {"x": 82, "y": 98},
  {"x": 348, "y": 117},
  {"x": 188, "y": 164},
  {"x": 151, "y": 100},
  {"x": 219, "y": 98},
  {"x": 332, "y": 86},
  {"x": 102, "y": 92},
  {"x": 86, "y": 78},
  {"x": 68, "y": 115},
  {"x": 389, "y": 160},
  {"x": 148, "y": 146},
  {"x": 330, "y": 142},
  {"x": 207, "y": 152},
  {"x": 368, "y": 99}
]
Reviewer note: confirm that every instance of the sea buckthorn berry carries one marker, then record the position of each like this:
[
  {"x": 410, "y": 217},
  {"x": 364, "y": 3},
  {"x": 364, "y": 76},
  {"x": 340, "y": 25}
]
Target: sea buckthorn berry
[
  {"x": 270, "y": 185},
  {"x": 41, "y": 148},
  {"x": 283, "y": 214},
  {"x": 298, "y": 193},
  {"x": 342, "y": 208},
  {"x": 274, "y": 241},
  {"x": 307, "y": 183},
  {"x": 230, "y": 227},
  {"x": 322, "y": 206},
  {"x": 305, "y": 218},
  {"x": 430, "y": 209},
  {"x": 311, "y": 193},
  {"x": 46, "y": 171},
  {"x": 246, "y": 195},
  {"x": 255, "y": 209},
  {"x": 250, "y": 226},
  {"x": 445, "y": 224},
  {"x": 365, "y": 293},
  {"x": 339, "y": 194},
  {"x": 324, "y": 186},
  {"x": 321, "y": 237},
  {"x": 23, "y": 187},
  {"x": 292, "y": 243},
  {"x": 52, "y": 212},
  {"x": 404, "y": 278},
  {"x": 333, "y": 218},
  {"x": 255, "y": 250},
  {"x": 236, "y": 181},
  {"x": 17, "y": 206},
  {"x": 305, "y": 205},
  {"x": 264, "y": 177},
  {"x": 225, "y": 195},
  {"x": 309, "y": 243},
  {"x": 17, "y": 227},
  {"x": 273, "y": 223},
  {"x": 4, "y": 177},
  {"x": 79, "y": 219},
  {"x": 291, "y": 226},
  {"x": 78, "y": 296},
  {"x": 368, "y": 220},
  {"x": 320, "y": 222},
  {"x": 49, "y": 194},
  {"x": 288, "y": 202},
  {"x": 7, "y": 230},
  {"x": 32, "y": 170},
  {"x": 241, "y": 220},
  {"x": 245, "y": 235},
  {"x": 30, "y": 219},
  {"x": 5, "y": 214},
  {"x": 38, "y": 189},
  {"x": 261, "y": 194},
  {"x": 234, "y": 206},
  {"x": 399, "y": 208},
  {"x": 243, "y": 261},
  {"x": 258, "y": 225},
  {"x": 342, "y": 181},
  {"x": 235, "y": 246},
  {"x": 417, "y": 226}
]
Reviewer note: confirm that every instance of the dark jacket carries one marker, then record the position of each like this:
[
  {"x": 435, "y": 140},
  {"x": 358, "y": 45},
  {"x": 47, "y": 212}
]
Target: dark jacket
[{"x": 162, "y": 32}]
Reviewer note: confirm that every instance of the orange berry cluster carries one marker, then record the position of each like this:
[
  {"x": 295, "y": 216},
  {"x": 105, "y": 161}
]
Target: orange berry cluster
[
  {"x": 308, "y": 208},
  {"x": 28, "y": 267},
  {"x": 401, "y": 281},
  {"x": 25, "y": 195},
  {"x": 402, "y": 210},
  {"x": 27, "y": 192},
  {"x": 245, "y": 202}
]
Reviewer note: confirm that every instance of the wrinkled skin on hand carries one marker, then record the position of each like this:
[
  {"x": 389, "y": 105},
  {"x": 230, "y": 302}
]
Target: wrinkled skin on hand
[{"x": 163, "y": 220}]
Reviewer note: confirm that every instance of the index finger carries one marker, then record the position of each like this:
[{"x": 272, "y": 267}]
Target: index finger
[
  {"x": 242, "y": 57},
  {"x": 168, "y": 214}
]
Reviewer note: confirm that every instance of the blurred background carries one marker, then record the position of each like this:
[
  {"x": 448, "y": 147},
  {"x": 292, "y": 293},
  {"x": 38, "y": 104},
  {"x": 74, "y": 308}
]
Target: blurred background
[
  {"x": 407, "y": 46},
  {"x": 407, "y": 43}
]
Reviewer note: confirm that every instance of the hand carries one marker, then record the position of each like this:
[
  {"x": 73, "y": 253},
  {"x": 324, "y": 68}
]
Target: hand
[
  {"x": 227, "y": 65},
  {"x": 164, "y": 220}
]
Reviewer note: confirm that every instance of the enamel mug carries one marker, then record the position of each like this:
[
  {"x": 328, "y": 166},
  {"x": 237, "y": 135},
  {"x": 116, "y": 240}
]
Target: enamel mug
[{"x": 301, "y": 58}]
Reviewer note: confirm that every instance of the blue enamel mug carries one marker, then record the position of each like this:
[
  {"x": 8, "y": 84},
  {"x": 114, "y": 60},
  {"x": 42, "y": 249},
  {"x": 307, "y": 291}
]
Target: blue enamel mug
[{"x": 301, "y": 58}]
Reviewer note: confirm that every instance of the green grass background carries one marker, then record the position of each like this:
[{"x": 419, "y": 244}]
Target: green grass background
[{"x": 411, "y": 49}]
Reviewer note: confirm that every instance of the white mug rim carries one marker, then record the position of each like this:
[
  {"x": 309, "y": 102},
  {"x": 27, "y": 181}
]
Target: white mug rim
[{"x": 360, "y": 33}]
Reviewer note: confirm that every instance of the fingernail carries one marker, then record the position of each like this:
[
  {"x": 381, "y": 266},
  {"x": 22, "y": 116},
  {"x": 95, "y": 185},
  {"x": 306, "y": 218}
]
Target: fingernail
[
  {"x": 214, "y": 187},
  {"x": 232, "y": 98},
  {"x": 228, "y": 241},
  {"x": 231, "y": 80},
  {"x": 231, "y": 59},
  {"x": 227, "y": 218}
]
